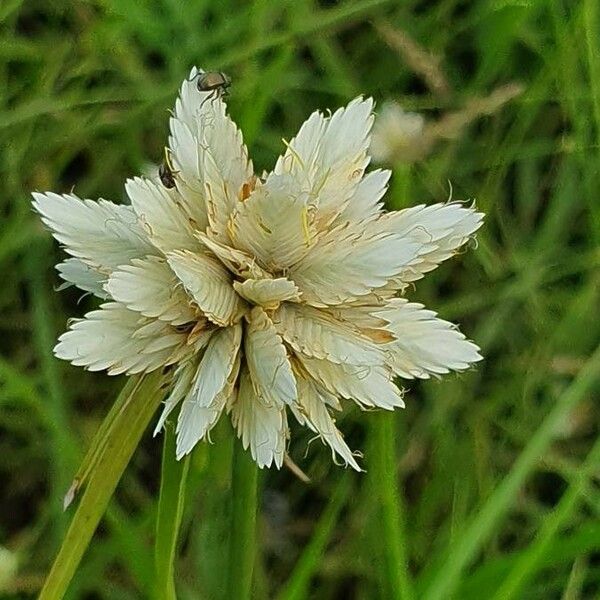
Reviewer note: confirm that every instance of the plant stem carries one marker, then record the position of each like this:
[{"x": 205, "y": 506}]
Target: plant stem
[
  {"x": 242, "y": 541},
  {"x": 391, "y": 507},
  {"x": 173, "y": 480}
]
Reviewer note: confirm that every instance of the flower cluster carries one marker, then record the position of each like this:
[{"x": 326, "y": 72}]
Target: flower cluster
[{"x": 270, "y": 295}]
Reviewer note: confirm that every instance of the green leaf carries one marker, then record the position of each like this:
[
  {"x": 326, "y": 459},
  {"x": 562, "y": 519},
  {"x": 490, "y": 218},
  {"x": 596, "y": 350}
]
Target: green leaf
[
  {"x": 168, "y": 520},
  {"x": 139, "y": 400},
  {"x": 89, "y": 462}
]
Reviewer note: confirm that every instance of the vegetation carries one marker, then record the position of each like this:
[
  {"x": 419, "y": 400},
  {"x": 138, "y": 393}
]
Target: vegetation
[{"x": 486, "y": 485}]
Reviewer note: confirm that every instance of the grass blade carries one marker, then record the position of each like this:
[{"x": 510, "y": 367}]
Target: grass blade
[
  {"x": 96, "y": 448},
  {"x": 486, "y": 520},
  {"x": 296, "y": 587},
  {"x": 383, "y": 470},
  {"x": 526, "y": 566},
  {"x": 143, "y": 399}
]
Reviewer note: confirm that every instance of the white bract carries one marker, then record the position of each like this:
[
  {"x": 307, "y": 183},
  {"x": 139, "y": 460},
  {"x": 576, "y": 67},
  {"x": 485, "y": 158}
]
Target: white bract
[{"x": 266, "y": 296}]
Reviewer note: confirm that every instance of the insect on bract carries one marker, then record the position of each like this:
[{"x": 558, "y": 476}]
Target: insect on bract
[
  {"x": 166, "y": 172},
  {"x": 213, "y": 81}
]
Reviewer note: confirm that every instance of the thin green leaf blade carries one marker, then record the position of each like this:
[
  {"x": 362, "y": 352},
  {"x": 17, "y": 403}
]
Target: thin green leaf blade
[{"x": 143, "y": 399}]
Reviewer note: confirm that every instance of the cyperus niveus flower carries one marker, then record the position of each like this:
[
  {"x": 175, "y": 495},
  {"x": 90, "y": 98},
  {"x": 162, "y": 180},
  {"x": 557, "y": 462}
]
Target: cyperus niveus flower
[{"x": 267, "y": 296}]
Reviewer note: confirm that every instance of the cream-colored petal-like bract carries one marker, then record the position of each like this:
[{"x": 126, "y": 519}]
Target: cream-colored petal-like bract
[
  {"x": 183, "y": 155},
  {"x": 100, "y": 233},
  {"x": 89, "y": 279},
  {"x": 209, "y": 152},
  {"x": 274, "y": 226},
  {"x": 267, "y": 361},
  {"x": 368, "y": 386},
  {"x": 425, "y": 345},
  {"x": 205, "y": 114},
  {"x": 208, "y": 394},
  {"x": 162, "y": 215},
  {"x": 149, "y": 286},
  {"x": 268, "y": 293},
  {"x": 209, "y": 284},
  {"x": 120, "y": 340},
  {"x": 349, "y": 262},
  {"x": 315, "y": 411},
  {"x": 319, "y": 334},
  {"x": 440, "y": 229},
  {"x": 365, "y": 201},
  {"x": 328, "y": 156},
  {"x": 262, "y": 427},
  {"x": 238, "y": 262},
  {"x": 183, "y": 377}
]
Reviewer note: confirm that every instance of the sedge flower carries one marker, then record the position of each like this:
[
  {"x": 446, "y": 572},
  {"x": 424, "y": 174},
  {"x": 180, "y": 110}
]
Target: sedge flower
[
  {"x": 398, "y": 135},
  {"x": 266, "y": 296}
]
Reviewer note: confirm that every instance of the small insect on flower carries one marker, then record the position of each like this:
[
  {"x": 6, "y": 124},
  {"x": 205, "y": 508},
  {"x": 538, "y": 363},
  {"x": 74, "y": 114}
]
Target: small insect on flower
[
  {"x": 213, "y": 81},
  {"x": 166, "y": 171}
]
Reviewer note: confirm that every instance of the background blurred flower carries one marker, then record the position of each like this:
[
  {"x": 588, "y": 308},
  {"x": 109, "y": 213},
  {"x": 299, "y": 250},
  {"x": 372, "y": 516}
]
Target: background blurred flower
[
  {"x": 406, "y": 137},
  {"x": 398, "y": 135}
]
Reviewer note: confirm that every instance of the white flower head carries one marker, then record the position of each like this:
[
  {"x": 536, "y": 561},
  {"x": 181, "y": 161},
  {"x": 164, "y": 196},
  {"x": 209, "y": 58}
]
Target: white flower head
[
  {"x": 398, "y": 135},
  {"x": 269, "y": 296}
]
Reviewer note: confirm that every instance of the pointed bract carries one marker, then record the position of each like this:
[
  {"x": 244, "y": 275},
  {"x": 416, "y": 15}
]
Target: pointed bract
[
  {"x": 150, "y": 287},
  {"x": 102, "y": 234},
  {"x": 209, "y": 284},
  {"x": 162, "y": 215},
  {"x": 316, "y": 413},
  {"x": 439, "y": 229},
  {"x": 277, "y": 228},
  {"x": 425, "y": 345},
  {"x": 119, "y": 340},
  {"x": 318, "y": 334},
  {"x": 267, "y": 360},
  {"x": 89, "y": 279},
  {"x": 261, "y": 427},
  {"x": 268, "y": 293},
  {"x": 210, "y": 388},
  {"x": 348, "y": 262}
]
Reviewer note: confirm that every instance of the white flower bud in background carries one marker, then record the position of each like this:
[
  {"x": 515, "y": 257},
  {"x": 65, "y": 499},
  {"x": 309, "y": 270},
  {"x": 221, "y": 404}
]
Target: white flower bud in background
[{"x": 397, "y": 135}]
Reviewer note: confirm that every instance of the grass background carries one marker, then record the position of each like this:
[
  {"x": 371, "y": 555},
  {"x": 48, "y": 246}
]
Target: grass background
[{"x": 487, "y": 484}]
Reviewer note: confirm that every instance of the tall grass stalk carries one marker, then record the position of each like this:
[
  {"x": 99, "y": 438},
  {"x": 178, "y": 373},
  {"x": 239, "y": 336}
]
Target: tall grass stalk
[
  {"x": 383, "y": 471},
  {"x": 242, "y": 541}
]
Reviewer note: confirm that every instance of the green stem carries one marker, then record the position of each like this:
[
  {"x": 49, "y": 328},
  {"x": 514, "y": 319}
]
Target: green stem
[
  {"x": 242, "y": 541},
  {"x": 168, "y": 520},
  {"x": 391, "y": 507},
  {"x": 143, "y": 397}
]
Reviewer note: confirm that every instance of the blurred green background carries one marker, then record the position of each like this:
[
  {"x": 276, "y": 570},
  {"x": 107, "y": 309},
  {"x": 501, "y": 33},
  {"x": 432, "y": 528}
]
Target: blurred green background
[{"x": 487, "y": 485}]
